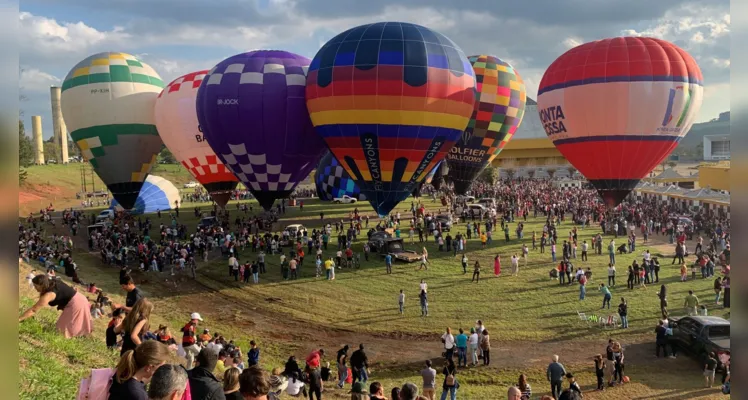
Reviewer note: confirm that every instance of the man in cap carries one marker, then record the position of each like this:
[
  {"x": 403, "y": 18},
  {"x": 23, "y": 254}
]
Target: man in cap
[{"x": 189, "y": 341}]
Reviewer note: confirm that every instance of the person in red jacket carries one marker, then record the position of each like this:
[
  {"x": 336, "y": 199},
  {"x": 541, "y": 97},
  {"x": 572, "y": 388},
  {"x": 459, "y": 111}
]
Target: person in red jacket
[
  {"x": 189, "y": 339},
  {"x": 313, "y": 359}
]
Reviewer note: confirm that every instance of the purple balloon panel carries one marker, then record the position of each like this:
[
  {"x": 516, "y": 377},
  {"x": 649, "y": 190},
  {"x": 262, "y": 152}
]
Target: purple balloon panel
[{"x": 252, "y": 111}]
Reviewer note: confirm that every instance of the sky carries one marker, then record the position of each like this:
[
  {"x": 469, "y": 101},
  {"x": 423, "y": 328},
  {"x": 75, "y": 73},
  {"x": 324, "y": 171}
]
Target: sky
[{"x": 180, "y": 36}]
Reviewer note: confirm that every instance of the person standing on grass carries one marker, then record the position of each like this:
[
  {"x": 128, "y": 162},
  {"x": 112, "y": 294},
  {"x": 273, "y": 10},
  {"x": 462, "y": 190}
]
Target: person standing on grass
[
  {"x": 606, "y": 296},
  {"x": 717, "y": 290},
  {"x": 450, "y": 381},
  {"x": 424, "y": 304},
  {"x": 429, "y": 381},
  {"x": 388, "y": 263},
  {"x": 709, "y": 368},
  {"x": 485, "y": 345},
  {"x": 424, "y": 260},
  {"x": 555, "y": 374},
  {"x": 401, "y": 301},
  {"x": 623, "y": 312},
  {"x": 497, "y": 265},
  {"x": 691, "y": 303},
  {"x": 684, "y": 272},
  {"x": 476, "y": 272},
  {"x": 611, "y": 275},
  {"x": 582, "y": 287},
  {"x": 612, "y": 251},
  {"x": 473, "y": 342},
  {"x": 515, "y": 265},
  {"x": 464, "y": 263},
  {"x": 461, "y": 341},
  {"x": 449, "y": 344},
  {"x": 600, "y": 372},
  {"x": 585, "y": 246},
  {"x": 525, "y": 253}
]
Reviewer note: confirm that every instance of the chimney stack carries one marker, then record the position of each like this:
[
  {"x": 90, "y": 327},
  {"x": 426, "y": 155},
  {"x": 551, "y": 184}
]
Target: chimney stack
[
  {"x": 58, "y": 125},
  {"x": 36, "y": 126}
]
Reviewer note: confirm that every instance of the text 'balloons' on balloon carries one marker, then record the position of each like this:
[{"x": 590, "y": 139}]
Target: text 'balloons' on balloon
[
  {"x": 390, "y": 99},
  {"x": 499, "y": 108},
  {"x": 331, "y": 180},
  {"x": 157, "y": 194},
  {"x": 107, "y": 103},
  {"x": 176, "y": 119},
  {"x": 615, "y": 108},
  {"x": 252, "y": 111}
]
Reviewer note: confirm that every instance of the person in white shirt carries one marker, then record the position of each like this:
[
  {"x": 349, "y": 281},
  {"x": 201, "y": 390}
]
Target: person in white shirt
[
  {"x": 611, "y": 275},
  {"x": 424, "y": 286},
  {"x": 473, "y": 343},
  {"x": 449, "y": 343},
  {"x": 295, "y": 386},
  {"x": 584, "y": 250},
  {"x": 30, "y": 277},
  {"x": 580, "y": 273},
  {"x": 515, "y": 265},
  {"x": 647, "y": 256},
  {"x": 232, "y": 261}
]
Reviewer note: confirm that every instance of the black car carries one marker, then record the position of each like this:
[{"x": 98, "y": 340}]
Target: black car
[
  {"x": 701, "y": 335},
  {"x": 377, "y": 239}
]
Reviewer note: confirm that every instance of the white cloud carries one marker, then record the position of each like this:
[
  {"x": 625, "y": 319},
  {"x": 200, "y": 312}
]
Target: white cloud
[
  {"x": 571, "y": 42},
  {"x": 34, "y": 80},
  {"x": 700, "y": 24}
]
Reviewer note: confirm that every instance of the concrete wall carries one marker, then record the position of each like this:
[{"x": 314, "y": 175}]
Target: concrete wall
[
  {"x": 716, "y": 177},
  {"x": 37, "y": 139}
]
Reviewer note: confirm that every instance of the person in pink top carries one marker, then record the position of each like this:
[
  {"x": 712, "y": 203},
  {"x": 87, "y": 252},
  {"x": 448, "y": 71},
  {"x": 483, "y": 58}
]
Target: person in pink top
[
  {"x": 497, "y": 265},
  {"x": 313, "y": 359}
]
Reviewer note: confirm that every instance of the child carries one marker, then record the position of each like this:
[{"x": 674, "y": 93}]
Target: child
[
  {"x": 684, "y": 272},
  {"x": 694, "y": 269},
  {"x": 401, "y": 300},
  {"x": 599, "y": 371},
  {"x": 642, "y": 272},
  {"x": 111, "y": 338},
  {"x": 96, "y": 310},
  {"x": 573, "y": 385}
]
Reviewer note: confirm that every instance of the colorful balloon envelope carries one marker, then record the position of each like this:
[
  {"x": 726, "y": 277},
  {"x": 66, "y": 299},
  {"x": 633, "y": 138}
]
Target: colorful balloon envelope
[
  {"x": 176, "y": 119},
  {"x": 615, "y": 108},
  {"x": 252, "y": 111},
  {"x": 332, "y": 181},
  {"x": 429, "y": 179},
  {"x": 499, "y": 108},
  {"x": 107, "y": 103},
  {"x": 390, "y": 99},
  {"x": 157, "y": 194}
]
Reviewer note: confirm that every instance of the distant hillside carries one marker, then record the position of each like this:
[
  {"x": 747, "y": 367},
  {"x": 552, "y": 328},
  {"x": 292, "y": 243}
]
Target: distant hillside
[{"x": 717, "y": 126}]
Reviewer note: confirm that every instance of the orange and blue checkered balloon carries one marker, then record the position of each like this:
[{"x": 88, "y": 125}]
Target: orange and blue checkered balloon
[
  {"x": 390, "y": 99},
  {"x": 499, "y": 108}
]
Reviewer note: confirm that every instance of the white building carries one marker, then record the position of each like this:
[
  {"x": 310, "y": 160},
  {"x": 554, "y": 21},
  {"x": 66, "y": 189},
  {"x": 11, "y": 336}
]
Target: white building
[{"x": 716, "y": 147}]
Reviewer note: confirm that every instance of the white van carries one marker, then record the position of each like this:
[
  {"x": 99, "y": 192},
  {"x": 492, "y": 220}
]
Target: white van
[
  {"x": 487, "y": 202},
  {"x": 105, "y": 215}
]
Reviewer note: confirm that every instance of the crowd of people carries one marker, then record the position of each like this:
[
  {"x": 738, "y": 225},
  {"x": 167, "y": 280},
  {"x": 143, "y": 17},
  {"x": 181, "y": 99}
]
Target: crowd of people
[{"x": 217, "y": 367}]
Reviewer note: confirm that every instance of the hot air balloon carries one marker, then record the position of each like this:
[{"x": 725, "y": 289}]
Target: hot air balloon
[
  {"x": 176, "y": 119},
  {"x": 157, "y": 194},
  {"x": 390, "y": 99},
  {"x": 429, "y": 179},
  {"x": 440, "y": 176},
  {"x": 107, "y": 103},
  {"x": 252, "y": 111},
  {"x": 615, "y": 108},
  {"x": 499, "y": 108},
  {"x": 332, "y": 181}
]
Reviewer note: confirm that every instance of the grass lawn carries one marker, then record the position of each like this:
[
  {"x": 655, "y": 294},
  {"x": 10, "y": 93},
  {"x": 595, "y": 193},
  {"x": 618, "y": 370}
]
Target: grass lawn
[{"x": 529, "y": 316}]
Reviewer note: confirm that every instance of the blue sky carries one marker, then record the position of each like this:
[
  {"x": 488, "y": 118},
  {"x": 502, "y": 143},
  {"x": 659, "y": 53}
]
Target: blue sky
[{"x": 177, "y": 37}]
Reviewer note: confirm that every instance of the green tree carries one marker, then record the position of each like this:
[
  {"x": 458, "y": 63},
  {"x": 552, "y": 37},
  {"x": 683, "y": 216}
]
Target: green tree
[
  {"x": 489, "y": 175},
  {"x": 25, "y": 147},
  {"x": 672, "y": 164},
  {"x": 166, "y": 157}
]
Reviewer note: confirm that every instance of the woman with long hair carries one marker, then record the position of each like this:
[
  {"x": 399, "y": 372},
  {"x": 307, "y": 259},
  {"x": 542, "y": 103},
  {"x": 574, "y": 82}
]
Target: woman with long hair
[
  {"x": 497, "y": 265},
  {"x": 135, "y": 369},
  {"x": 662, "y": 294},
  {"x": 524, "y": 387},
  {"x": 231, "y": 384},
  {"x": 75, "y": 319},
  {"x": 135, "y": 325}
]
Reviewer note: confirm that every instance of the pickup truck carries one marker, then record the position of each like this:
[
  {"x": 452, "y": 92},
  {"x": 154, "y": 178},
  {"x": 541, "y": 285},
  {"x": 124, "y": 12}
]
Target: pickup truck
[
  {"x": 394, "y": 247},
  {"x": 701, "y": 335},
  {"x": 344, "y": 200}
]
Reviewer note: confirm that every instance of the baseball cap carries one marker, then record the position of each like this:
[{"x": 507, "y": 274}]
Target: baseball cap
[{"x": 196, "y": 316}]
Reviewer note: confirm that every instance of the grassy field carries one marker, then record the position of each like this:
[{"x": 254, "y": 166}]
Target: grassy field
[{"x": 529, "y": 316}]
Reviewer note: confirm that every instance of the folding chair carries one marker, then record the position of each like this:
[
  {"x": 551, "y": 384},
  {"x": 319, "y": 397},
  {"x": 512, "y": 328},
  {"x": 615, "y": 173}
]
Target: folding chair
[{"x": 583, "y": 317}]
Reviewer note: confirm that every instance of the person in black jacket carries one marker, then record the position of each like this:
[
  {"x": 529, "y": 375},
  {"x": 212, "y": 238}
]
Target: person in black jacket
[
  {"x": 203, "y": 384},
  {"x": 359, "y": 364}
]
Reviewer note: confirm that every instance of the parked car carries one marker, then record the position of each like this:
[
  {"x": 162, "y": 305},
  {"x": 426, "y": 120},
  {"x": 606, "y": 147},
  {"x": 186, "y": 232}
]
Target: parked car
[
  {"x": 701, "y": 335},
  {"x": 344, "y": 200},
  {"x": 465, "y": 199},
  {"x": 377, "y": 239},
  {"x": 477, "y": 208},
  {"x": 487, "y": 202},
  {"x": 444, "y": 221},
  {"x": 190, "y": 185},
  {"x": 293, "y": 228},
  {"x": 105, "y": 215},
  {"x": 395, "y": 248},
  {"x": 207, "y": 222}
]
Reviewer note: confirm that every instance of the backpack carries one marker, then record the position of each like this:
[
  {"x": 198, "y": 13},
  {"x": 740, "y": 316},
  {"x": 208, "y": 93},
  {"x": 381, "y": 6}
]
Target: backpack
[
  {"x": 449, "y": 380},
  {"x": 96, "y": 385}
]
